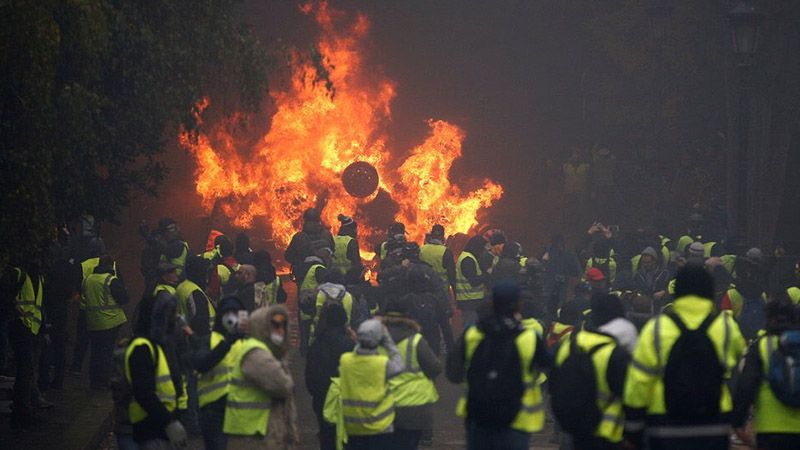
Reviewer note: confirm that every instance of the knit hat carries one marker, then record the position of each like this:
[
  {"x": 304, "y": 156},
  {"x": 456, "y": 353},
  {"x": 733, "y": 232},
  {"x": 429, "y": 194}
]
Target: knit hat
[
  {"x": 697, "y": 249},
  {"x": 650, "y": 251},
  {"x": 345, "y": 220},
  {"x": 595, "y": 274},
  {"x": 311, "y": 215},
  {"x": 437, "y": 231}
]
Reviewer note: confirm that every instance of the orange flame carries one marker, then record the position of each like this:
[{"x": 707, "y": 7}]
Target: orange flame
[{"x": 315, "y": 134}]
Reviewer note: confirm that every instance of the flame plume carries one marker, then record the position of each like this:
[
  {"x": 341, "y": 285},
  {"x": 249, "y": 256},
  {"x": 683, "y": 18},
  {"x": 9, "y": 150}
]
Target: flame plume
[{"x": 315, "y": 134}]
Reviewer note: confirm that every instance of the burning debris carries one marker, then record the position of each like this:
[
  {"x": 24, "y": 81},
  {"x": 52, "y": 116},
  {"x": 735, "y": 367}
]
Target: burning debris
[{"x": 326, "y": 147}]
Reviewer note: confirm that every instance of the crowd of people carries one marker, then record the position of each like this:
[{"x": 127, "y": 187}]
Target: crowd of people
[{"x": 632, "y": 340}]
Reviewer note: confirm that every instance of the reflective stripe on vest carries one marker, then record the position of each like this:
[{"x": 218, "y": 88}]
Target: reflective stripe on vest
[
  {"x": 212, "y": 385},
  {"x": 247, "y": 408},
  {"x": 29, "y": 302},
  {"x": 339, "y": 262},
  {"x": 772, "y": 415},
  {"x": 411, "y": 387},
  {"x": 102, "y": 310},
  {"x": 367, "y": 402},
  {"x": 464, "y": 289},
  {"x": 530, "y": 417},
  {"x": 433, "y": 255},
  {"x": 184, "y": 292},
  {"x": 180, "y": 260},
  {"x": 612, "y": 419},
  {"x": 308, "y": 289},
  {"x": 164, "y": 287},
  {"x": 165, "y": 388},
  {"x": 794, "y": 294}
]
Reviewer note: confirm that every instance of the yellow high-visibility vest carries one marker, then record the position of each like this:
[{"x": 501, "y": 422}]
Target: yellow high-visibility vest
[
  {"x": 165, "y": 388},
  {"x": 102, "y": 310},
  {"x": 367, "y": 401}
]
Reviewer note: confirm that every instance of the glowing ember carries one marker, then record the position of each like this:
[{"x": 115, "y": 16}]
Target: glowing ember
[{"x": 315, "y": 134}]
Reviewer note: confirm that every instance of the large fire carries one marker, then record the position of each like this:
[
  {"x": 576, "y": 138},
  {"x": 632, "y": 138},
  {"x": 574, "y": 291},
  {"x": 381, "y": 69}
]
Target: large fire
[{"x": 316, "y": 132}]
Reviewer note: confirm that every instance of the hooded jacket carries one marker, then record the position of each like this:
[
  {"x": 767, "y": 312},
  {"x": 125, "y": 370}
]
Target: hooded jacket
[
  {"x": 270, "y": 372},
  {"x": 300, "y": 246}
]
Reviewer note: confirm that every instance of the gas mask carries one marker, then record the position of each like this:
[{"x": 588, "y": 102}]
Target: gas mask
[{"x": 230, "y": 322}]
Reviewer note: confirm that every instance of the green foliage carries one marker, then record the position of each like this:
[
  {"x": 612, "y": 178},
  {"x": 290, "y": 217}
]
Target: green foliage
[{"x": 91, "y": 90}]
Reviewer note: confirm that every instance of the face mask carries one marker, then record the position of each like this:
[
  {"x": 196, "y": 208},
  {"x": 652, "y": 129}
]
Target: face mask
[
  {"x": 230, "y": 321},
  {"x": 276, "y": 338}
]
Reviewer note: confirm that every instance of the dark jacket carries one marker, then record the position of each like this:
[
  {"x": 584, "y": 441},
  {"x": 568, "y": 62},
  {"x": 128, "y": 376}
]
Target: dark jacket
[
  {"x": 323, "y": 359},
  {"x": 650, "y": 282},
  {"x": 417, "y": 417},
  {"x": 300, "y": 246}
]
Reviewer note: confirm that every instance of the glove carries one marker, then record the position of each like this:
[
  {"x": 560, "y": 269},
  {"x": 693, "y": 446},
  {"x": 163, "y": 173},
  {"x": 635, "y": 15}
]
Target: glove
[{"x": 176, "y": 434}]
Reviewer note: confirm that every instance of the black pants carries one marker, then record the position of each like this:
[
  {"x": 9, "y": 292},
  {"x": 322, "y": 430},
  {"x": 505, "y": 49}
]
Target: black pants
[
  {"x": 81, "y": 343},
  {"x": 374, "y": 442},
  {"x": 776, "y": 441},
  {"x": 405, "y": 439},
  {"x": 102, "y": 359},
  {"x": 25, "y": 348},
  {"x": 703, "y": 443},
  {"x": 327, "y": 431},
  {"x": 58, "y": 351},
  {"x": 212, "y": 418}
]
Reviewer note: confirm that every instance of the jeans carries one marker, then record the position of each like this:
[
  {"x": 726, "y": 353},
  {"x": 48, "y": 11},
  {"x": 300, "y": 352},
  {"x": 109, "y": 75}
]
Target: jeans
[
  {"x": 212, "y": 418},
  {"x": 81, "y": 343},
  {"x": 101, "y": 362},
  {"x": 495, "y": 438},
  {"x": 405, "y": 439},
  {"x": 24, "y": 343}
]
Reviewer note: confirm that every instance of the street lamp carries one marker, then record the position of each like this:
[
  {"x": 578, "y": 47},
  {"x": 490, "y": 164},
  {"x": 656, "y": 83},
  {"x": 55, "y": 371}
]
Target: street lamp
[{"x": 745, "y": 20}]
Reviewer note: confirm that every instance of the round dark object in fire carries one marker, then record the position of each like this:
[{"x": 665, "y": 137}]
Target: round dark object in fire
[{"x": 360, "y": 179}]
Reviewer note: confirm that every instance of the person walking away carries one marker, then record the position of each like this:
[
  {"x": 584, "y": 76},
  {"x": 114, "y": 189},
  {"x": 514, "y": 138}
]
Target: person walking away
[
  {"x": 154, "y": 385},
  {"x": 368, "y": 407},
  {"x": 586, "y": 384},
  {"x": 300, "y": 247},
  {"x": 747, "y": 298},
  {"x": 90, "y": 252},
  {"x": 561, "y": 274},
  {"x": 268, "y": 283},
  {"x": 213, "y": 358},
  {"x": 414, "y": 391},
  {"x": 770, "y": 381},
  {"x": 195, "y": 305},
  {"x": 260, "y": 411},
  {"x": 333, "y": 340},
  {"x": 469, "y": 291},
  {"x": 430, "y": 308},
  {"x": 22, "y": 289},
  {"x": 676, "y": 389},
  {"x": 333, "y": 292},
  {"x": 105, "y": 296},
  {"x": 396, "y": 232},
  {"x": 243, "y": 253},
  {"x": 608, "y": 316},
  {"x": 436, "y": 254},
  {"x": 245, "y": 281},
  {"x": 602, "y": 260},
  {"x": 122, "y": 395},
  {"x": 311, "y": 275},
  {"x": 167, "y": 280},
  {"x": 173, "y": 248},
  {"x": 499, "y": 361},
  {"x": 346, "y": 253}
]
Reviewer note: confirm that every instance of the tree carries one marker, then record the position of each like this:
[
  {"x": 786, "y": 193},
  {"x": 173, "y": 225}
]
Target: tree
[{"x": 89, "y": 92}]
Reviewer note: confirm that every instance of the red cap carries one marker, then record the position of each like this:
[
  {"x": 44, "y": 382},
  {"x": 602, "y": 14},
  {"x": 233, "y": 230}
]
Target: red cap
[{"x": 595, "y": 274}]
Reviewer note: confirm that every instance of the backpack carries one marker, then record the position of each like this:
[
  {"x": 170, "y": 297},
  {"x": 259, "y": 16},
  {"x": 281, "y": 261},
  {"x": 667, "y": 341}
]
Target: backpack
[
  {"x": 693, "y": 375},
  {"x": 573, "y": 391},
  {"x": 753, "y": 318},
  {"x": 424, "y": 311},
  {"x": 784, "y": 368},
  {"x": 495, "y": 382}
]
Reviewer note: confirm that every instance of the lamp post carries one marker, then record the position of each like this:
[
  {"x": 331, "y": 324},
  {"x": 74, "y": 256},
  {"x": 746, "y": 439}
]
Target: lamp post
[{"x": 745, "y": 23}]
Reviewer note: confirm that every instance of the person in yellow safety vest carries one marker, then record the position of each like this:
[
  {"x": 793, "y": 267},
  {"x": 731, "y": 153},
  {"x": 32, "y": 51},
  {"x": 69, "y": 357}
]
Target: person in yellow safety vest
[
  {"x": 346, "y": 252},
  {"x": 395, "y": 230},
  {"x": 194, "y": 304},
  {"x": 413, "y": 389},
  {"x": 368, "y": 405},
  {"x": 606, "y": 265},
  {"x": 311, "y": 274},
  {"x": 25, "y": 286},
  {"x": 495, "y": 243},
  {"x": 570, "y": 316},
  {"x": 260, "y": 409},
  {"x": 436, "y": 254},
  {"x": 776, "y": 424},
  {"x": 150, "y": 370},
  {"x": 214, "y": 357},
  {"x": 331, "y": 292},
  {"x": 684, "y": 424},
  {"x": 105, "y": 296},
  {"x": 267, "y": 281},
  {"x": 469, "y": 291},
  {"x": 605, "y": 332},
  {"x": 490, "y": 343},
  {"x": 167, "y": 279},
  {"x": 173, "y": 248},
  {"x": 96, "y": 248}
]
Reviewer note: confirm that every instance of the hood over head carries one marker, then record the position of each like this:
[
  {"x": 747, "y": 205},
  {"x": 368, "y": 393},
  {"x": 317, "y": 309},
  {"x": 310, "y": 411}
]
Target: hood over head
[
  {"x": 260, "y": 327},
  {"x": 333, "y": 290},
  {"x": 370, "y": 333}
]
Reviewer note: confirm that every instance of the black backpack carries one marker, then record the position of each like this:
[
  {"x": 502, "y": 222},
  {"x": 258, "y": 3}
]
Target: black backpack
[
  {"x": 573, "y": 391},
  {"x": 495, "y": 380},
  {"x": 753, "y": 318},
  {"x": 693, "y": 375}
]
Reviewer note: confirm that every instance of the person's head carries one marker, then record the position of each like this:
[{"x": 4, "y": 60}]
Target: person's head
[
  {"x": 322, "y": 250},
  {"x": 693, "y": 279},
  {"x": 332, "y": 317},
  {"x": 167, "y": 272},
  {"x": 369, "y": 334},
  {"x": 227, "y": 318},
  {"x": 242, "y": 242},
  {"x": 512, "y": 250},
  {"x": 168, "y": 227},
  {"x": 311, "y": 215},
  {"x": 596, "y": 279},
  {"x": 781, "y": 314},
  {"x": 649, "y": 259},
  {"x": 246, "y": 274},
  {"x": 497, "y": 241},
  {"x": 197, "y": 270},
  {"x": 695, "y": 250},
  {"x": 398, "y": 307},
  {"x": 225, "y": 246},
  {"x": 505, "y": 298},
  {"x": 396, "y": 228},
  {"x": 348, "y": 226},
  {"x": 476, "y": 245},
  {"x": 531, "y": 309},
  {"x": 270, "y": 326},
  {"x": 106, "y": 263},
  {"x": 601, "y": 248},
  {"x": 410, "y": 252},
  {"x": 419, "y": 279},
  {"x": 605, "y": 308},
  {"x": 696, "y": 222},
  {"x": 437, "y": 232},
  {"x": 157, "y": 318}
]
